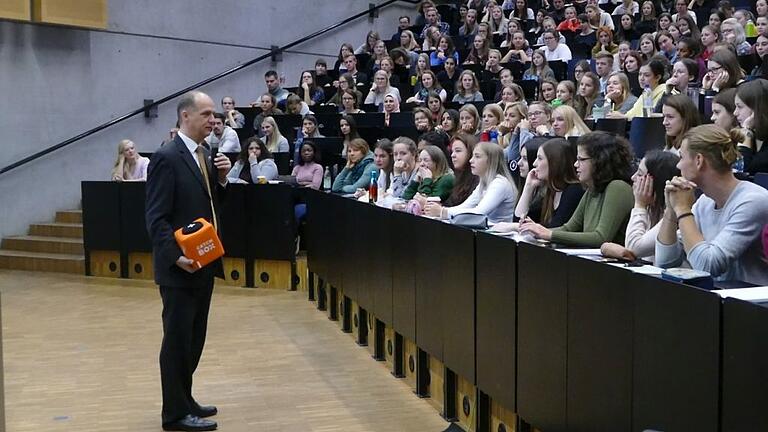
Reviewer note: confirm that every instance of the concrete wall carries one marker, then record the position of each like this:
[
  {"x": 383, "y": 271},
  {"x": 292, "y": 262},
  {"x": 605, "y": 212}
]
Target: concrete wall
[{"x": 57, "y": 82}]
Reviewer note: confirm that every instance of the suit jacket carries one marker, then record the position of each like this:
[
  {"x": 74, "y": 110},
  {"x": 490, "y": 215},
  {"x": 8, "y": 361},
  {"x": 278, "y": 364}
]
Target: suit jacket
[{"x": 176, "y": 195}]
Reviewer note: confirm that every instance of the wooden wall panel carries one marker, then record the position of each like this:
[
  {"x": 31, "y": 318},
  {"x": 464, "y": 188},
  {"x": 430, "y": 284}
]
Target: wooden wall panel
[
  {"x": 80, "y": 13},
  {"x": 15, "y": 10}
]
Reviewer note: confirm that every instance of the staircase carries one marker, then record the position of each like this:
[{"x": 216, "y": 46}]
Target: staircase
[{"x": 49, "y": 247}]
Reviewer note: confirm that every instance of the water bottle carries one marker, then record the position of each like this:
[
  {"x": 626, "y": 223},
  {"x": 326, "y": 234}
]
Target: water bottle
[
  {"x": 738, "y": 165},
  {"x": 494, "y": 136},
  {"x": 750, "y": 29},
  {"x": 647, "y": 102},
  {"x": 373, "y": 187},
  {"x": 327, "y": 179}
]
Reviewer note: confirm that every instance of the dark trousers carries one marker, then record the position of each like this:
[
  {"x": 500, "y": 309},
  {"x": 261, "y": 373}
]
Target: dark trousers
[{"x": 185, "y": 321}]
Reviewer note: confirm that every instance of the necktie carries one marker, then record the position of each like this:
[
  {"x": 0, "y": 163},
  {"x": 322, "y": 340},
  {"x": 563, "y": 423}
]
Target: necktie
[{"x": 204, "y": 169}]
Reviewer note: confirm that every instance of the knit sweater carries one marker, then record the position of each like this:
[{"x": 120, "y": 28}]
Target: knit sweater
[
  {"x": 310, "y": 174},
  {"x": 599, "y": 218},
  {"x": 440, "y": 187}
]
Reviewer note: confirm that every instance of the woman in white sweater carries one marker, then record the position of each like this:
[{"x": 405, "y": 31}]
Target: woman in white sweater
[
  {"x": 495, "y": 195},
  {"x": 653, "y": 172}
]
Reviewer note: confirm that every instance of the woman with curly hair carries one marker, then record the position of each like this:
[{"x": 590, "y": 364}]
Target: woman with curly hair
[{"x": 603, "y": 167}]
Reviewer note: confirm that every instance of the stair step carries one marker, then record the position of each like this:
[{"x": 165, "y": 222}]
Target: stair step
[
  {"x": 37, "y": 261},
  {"x": 58, "y": 245},
  {"x": 57, "y": 229},
  {"x": 69, "y": 216}
]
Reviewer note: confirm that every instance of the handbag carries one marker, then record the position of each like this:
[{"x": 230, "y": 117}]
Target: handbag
[{"x": 471, "y": 221}]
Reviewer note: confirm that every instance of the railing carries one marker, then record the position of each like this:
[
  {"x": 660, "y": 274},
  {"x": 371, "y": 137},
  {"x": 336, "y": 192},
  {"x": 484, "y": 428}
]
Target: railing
[{"x": 371, "y": 11}]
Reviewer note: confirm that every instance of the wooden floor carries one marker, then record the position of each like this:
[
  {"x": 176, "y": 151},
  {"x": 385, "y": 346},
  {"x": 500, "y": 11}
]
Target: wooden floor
[{"x": 81, "y": 355}]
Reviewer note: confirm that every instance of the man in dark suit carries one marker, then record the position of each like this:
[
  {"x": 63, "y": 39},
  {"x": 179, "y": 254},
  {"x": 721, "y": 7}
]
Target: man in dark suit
[{"x": 183, "y": 184}]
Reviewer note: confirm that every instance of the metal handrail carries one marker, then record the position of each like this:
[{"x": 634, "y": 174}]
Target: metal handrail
[{"x": 370, "y": 12}]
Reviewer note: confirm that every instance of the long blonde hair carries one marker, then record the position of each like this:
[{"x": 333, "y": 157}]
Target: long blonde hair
[
  {"x": 123, "y": 168},
  {"x": 273, "y": 144},
  {"x": 496, "y": 165},
  {"x": 575, "y": 125}
]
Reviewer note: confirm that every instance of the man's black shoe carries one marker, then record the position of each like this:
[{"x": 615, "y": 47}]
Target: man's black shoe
[
  {"x": 203, "y": 411},
  {"x": 190, "y": 423}
]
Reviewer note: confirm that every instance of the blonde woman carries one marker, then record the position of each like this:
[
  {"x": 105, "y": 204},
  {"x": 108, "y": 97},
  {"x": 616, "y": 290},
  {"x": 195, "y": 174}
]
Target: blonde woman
[
  {"x": 272, "y": 138},
  {"x": 129, "y": 166},
  {"x": 381, "y": 88},
  {"x": 495, "y": 195},
  {"x": 408, "y": 41},
  {"x": 469, "y": 120},
  {"x": 618, "y": 95},
  {"x": 567, "y": 123}
]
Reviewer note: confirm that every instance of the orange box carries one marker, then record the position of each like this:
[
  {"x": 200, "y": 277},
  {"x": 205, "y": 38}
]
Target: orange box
[{"x": 199, "y": 242}]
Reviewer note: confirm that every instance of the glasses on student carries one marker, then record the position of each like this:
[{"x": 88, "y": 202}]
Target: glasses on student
[
  {"x": 714, "y": 69},
  {"x": 535, "y": 113}
]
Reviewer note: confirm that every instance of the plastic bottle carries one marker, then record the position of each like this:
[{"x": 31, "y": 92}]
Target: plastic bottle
[
  {"x": 647, "y": 102},
  {"x": 373, "y": 187},
  {"x": 750, "y": 29},
  {"x": 327, "y": 179},
  {"x": 494, "y": 136}
]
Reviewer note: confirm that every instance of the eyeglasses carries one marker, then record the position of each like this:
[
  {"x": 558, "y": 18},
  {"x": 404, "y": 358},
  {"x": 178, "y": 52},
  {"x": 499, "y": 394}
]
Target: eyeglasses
[
  {"x": 714, "y": 69},
  {"x": 535, "y": 113},
  {"x": 582, "y": 159}
]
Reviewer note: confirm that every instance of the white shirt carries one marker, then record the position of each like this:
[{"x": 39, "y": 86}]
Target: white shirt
[
  {"x": 192, "y": 147},
  {"x": 228, "y": 143},
  {"x": 562, "y": 53}
]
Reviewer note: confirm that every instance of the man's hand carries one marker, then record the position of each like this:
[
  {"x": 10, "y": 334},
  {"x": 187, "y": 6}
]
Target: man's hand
[
  {"x": 187, "y": 264},
  {"x": 223, "y": 165}
]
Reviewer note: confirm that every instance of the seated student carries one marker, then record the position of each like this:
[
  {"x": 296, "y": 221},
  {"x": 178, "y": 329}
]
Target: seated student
[
  {"x": 552, "y": 191},
  {"x": 348, "y": 130},
  {"x": 554, "y": 50},
  {"x": 391, "y": 105},
  {"x": 567, "y": 123},
  {"x": 564, "y": 92},
  {"x": 308, "y": 91},
  {"x": 547, "y": 90},
  {"x": 294, "y": 105},
  {"x": 404, "y": 168},
  {"x": 427, "y": 84},
  {"x": 308, "y": 171},
  {"x": 438, "y": 139},
  {"x": 495, "y": 194},
  {"x": 350, "y": 103},
  {"x": 253, "y": 161},
  {"x": 724, "y": 71},
  {"x": 235, "y": 119},
  {"x": 685, "y": 73},
  {"x": 445, "y": 49},
  {"x": 539, "y": 69},
  {"x": 650, "y": 76},
  {"x": 422, "y": 120},
  {"x": 321, "y": 73},
  {"x": 588, "y": 92},
  {"x": 618, "y": 95},
  {"x": 680, "y": 115},
  {"x": 464, "y": 182},
  {"x": 129, "y": 166},
  {"x": 384, "y": 160},
  {"x": 467, "y": 88},
  {"x": 223, "y": 136},
  {"x": 720, "y": 232},
  {"x": 381, "y": 88},
  {"x": 491, "y": 119},
  {"x": 752, "y": 113},
  {"x": 603, "y": 164},
  {"x": 268, "y": 108},
  {"x": 435, "y": 107},
  {"x": 345, "y": 82},
  {"x": 357, "y": 173},
  {"x": 308, "y": 130},
  {"x": 433, "y": 177},
  {"x": 271, "y": 136},
  {"x": 511, "y": 136},
  {"x": 653, "y": 172},
  {"x": 469, "y": 120},
  {"x": 449, "y": 122}
]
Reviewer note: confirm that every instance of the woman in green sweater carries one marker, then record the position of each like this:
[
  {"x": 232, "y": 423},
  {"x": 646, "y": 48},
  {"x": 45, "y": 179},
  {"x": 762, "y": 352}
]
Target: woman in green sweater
[
  {"x": 433, "y": 177},
  {"x": 603, "y": 165}
]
